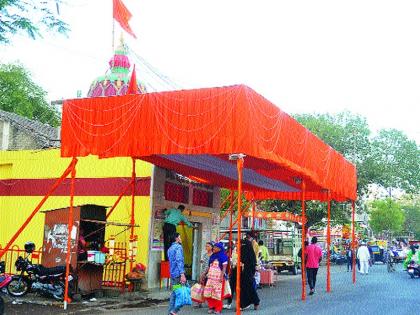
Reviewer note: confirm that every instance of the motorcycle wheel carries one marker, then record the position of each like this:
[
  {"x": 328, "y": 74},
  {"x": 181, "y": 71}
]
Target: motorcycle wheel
[{"x": 18, "y": 287}]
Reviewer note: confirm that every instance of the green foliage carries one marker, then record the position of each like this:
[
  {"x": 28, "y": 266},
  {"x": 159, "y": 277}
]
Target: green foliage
[
  {"x": 20, "y": 95},
  {"x": 396, "y": 160},
  {"x": 411, "y": 208},
  {"x": 389, "y": 160},
  {"x": 316, "y": 212},
  {"x": 386, "y": 215},
  {"x": 29, "y": 17}
]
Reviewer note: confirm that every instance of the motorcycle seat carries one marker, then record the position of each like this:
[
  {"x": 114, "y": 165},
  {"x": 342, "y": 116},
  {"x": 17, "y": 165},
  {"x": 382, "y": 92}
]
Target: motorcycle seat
[{"x": 44, "y": 271}]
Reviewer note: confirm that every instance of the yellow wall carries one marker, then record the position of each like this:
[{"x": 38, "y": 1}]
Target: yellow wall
[{"x": 48, "y": 164}]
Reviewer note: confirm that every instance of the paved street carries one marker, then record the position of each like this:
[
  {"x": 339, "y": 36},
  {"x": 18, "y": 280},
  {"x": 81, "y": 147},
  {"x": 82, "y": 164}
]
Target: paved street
[{"x": 379, "y": 292}]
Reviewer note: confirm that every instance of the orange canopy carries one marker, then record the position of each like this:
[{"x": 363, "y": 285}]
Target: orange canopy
[{"x": 194, "y": 131}]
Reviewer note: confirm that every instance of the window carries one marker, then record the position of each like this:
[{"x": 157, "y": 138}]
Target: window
[
  {"x": 176, "y": 192},
  {"x": 202, "y": 198}
]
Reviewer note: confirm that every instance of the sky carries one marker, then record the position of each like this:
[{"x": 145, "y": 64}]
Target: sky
[{"x": 305, "y": 56}]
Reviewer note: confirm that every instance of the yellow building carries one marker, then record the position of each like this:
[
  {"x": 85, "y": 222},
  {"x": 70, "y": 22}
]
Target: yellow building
[{"x": 26, "y": 176}]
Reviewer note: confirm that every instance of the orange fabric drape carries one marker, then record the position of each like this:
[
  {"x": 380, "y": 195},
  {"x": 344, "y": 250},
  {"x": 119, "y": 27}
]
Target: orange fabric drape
[{"x": 212, "y": 121}]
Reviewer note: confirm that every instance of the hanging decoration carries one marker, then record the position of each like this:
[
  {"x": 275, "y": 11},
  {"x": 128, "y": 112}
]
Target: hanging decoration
[{"x": 284, "y": 216}]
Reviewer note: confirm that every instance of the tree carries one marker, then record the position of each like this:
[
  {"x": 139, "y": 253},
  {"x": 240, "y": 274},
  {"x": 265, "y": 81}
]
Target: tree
[
  {"x": 348, "y": 134},
  {"x": 29, "y": 16},
  {"x": 396, "y": 160},
  {"x": 386, "y": 215},
  {"x": 20, "y": 95},
  {"x": 411, "y": 207},
  {"x": 316, "y": 212}
]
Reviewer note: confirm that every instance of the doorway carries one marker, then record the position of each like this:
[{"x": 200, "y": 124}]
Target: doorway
[{"x": 191, "y": 244}]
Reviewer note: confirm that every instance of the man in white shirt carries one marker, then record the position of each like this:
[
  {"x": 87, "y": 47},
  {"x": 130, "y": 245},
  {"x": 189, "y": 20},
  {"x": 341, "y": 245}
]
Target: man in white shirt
[{"x": 364, "y": 256}]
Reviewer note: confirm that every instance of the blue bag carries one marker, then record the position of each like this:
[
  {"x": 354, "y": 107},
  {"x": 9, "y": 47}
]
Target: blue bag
[{"x": 182, "y": 296}]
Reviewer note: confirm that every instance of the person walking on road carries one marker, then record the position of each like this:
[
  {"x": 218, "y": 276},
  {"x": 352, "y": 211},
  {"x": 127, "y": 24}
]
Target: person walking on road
[
  {"x": 313, "y": 258},
  {"x": 176, "y": 267},
  {"x": 349, "y": 256},
  {"x": 364, "y": 257}
]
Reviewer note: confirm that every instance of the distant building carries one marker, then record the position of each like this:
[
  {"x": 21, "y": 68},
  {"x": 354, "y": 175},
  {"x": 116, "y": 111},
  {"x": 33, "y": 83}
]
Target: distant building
[{"x": 21, "y": 133}]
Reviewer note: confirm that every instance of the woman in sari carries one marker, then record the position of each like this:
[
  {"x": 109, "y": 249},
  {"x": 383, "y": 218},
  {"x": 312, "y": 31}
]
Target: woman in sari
[
  {"x": 249, "y": 263},
  {"x": 214, "y": 289}
]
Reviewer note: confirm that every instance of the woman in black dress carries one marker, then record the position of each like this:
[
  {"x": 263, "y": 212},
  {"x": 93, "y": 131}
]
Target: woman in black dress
[{"x": 248, "y": 289}]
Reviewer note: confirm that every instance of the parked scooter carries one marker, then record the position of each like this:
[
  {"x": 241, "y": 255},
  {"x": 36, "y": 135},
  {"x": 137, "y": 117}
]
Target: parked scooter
[
  {"x": 49, "y": 282},
  {"x": 413, "y": 269}
]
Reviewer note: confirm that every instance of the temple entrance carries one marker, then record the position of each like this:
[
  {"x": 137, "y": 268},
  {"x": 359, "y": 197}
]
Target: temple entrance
[{"x": 191, "y": 244}]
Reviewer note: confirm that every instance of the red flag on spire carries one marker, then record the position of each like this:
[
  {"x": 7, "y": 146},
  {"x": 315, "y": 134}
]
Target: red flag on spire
[
  {"x": 132, "y": 85},
  {"x": 122, "y": 16}
]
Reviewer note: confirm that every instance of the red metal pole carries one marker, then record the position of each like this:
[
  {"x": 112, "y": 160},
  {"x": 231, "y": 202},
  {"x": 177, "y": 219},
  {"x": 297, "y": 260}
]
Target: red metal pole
[
  {"x": 132, "y": 221},
  {"x": 253, "y": 215},
  {"x": 228, "y": 210},
  {"x": 303, "y": 241},
  {"x": 52, "y": 189},
  {"x": 240, "y": 165},
  {"x": 133, "y": 179},
  {"x": 228, "y": 198},
  {"x": 230, "y": 228},
  {"x": 329, "y": 243},
  {"x": 69, "y": 237},
  {"x": 118, "y": 199},
  {"x": 353, "y": 237}
]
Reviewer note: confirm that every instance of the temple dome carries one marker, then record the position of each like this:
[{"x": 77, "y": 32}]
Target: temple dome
[{"x": 117, "y": 78}]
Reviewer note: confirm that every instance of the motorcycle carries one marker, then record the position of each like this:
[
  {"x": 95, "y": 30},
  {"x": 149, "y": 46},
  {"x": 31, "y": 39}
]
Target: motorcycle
[
  {"x": 49, "y": 282},
  {"x": 413, "y": 269}
]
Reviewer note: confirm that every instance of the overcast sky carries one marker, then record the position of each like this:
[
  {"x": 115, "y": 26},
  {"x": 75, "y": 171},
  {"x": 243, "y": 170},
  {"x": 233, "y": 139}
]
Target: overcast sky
[{"x": 305, "y": 56}]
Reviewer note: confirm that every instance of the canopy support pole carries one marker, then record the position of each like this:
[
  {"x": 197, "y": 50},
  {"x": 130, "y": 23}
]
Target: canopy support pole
[
  {"x": 35, "y": 211},
  {"x": 233, "y": 203},
  {"x": 240, "y": 165},
  {"x": 253, "y": 215},
  {"x": 69, "y": 236},
  {"x": 329, "y": 242},
  {"x": 353, "y": 240},
  {"x": 132, "y": 219},
  {"x": 228, "y": 198},
  {"x": 230, "y": 229},
  {"x": 303, "y": 241},
  {"x": 119, "y": 199}
]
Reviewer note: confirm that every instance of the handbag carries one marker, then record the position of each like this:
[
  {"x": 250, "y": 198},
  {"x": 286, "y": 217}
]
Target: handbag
[
  {"x": 197, "y": 293},
  {"x": 227, "y": 292}
]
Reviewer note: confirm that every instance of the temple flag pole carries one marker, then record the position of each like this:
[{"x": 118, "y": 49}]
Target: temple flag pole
[
  {"x": 69, "y": 236},
  {"x": 329, "y": 243},
  {"x": 303, "y": 241}
]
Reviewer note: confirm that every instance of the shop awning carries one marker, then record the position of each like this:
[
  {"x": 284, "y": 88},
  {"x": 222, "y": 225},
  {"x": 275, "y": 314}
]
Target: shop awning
[{"x": 194, "y": 131}]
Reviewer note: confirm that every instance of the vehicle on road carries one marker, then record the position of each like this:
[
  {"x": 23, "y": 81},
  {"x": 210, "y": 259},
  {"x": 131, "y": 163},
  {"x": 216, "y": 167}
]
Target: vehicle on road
[
  {"x": 413, "y": 270},
  {"x": 48, "y": 282}
]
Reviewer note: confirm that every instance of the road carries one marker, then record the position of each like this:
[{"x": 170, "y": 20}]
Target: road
[{"x": 379, "y": 293}]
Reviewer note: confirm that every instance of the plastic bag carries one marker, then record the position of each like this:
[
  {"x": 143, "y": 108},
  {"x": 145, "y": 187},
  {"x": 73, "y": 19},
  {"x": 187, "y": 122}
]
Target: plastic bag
[{"x": 182, "y": 296}]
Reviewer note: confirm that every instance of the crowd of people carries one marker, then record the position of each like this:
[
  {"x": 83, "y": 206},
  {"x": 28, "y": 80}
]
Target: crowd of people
[{"x": 220, "y": 284}]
